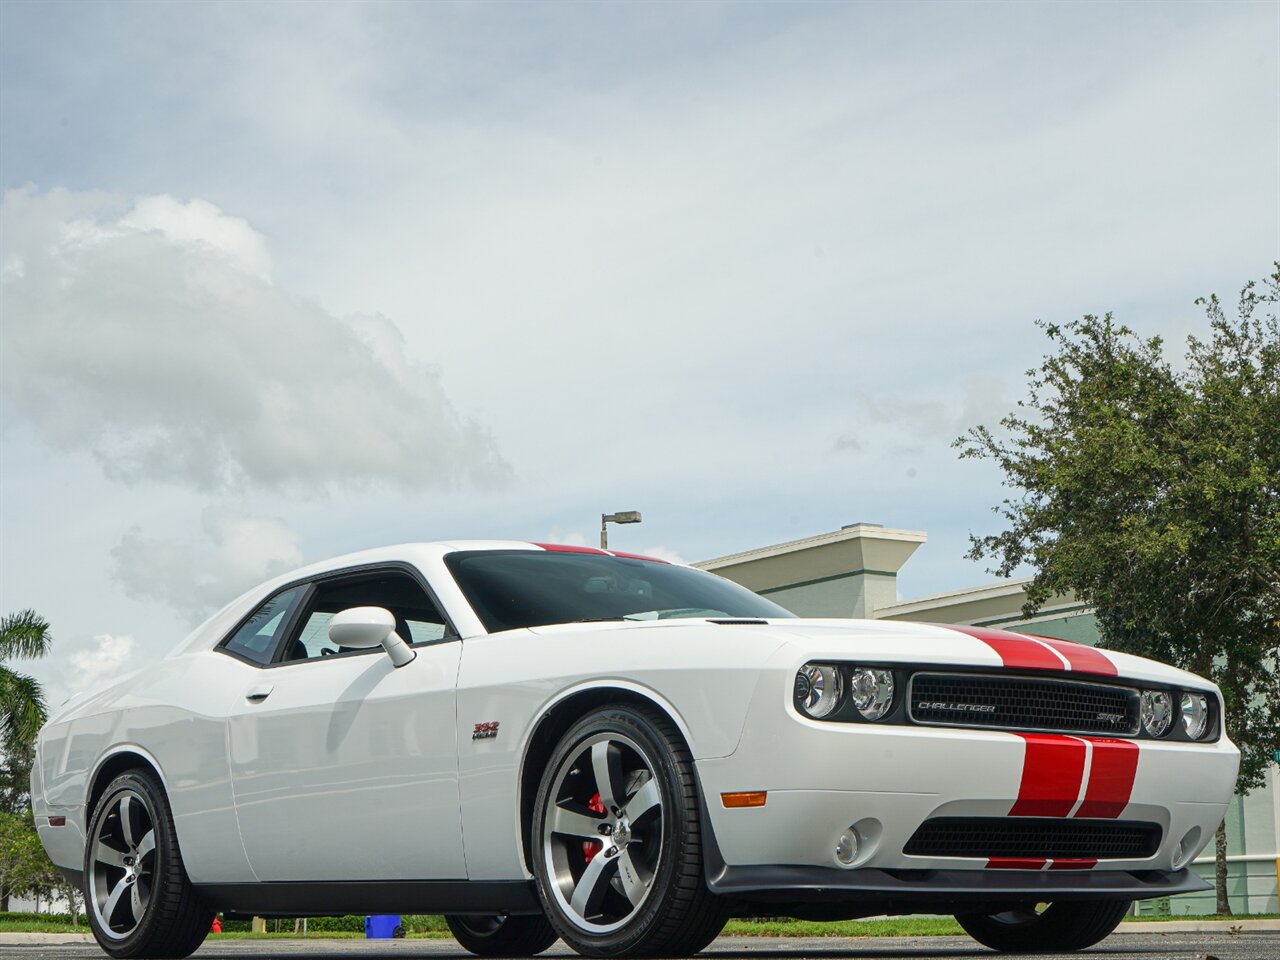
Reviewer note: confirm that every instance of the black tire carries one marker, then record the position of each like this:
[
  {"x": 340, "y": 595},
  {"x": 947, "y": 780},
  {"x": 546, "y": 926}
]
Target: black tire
[
  {"x": 173, "y": 921},
  {"x": 502, "y": 936},
  {"x": 1060, "y": 927},
  {"x": 651, "y": 870}
]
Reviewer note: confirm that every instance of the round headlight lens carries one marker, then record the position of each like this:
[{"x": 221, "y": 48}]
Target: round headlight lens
[
  {"x": 1195, "y": 714},
  {"x": 818, "y": 689},
  {"x": 871, "y": 691},
  {"x": 1156, "y": 708}
]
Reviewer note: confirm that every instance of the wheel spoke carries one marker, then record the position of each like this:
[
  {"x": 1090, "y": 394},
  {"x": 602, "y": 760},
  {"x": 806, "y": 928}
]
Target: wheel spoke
[
  {"x": 645, "y": 801},
  {"x": 575, "y": 824},
  {"x": 126, "y": 819},
  {"x": 146, "y": 844},
  {"x": 113, "y": 901},
  {"x": 633, "y": 885},
  {"x": 591, "y": 887},
  {"x": 108, "y": 855},
  {"x": 606, "y": 762},
  {"x": 136, "y": 906}
]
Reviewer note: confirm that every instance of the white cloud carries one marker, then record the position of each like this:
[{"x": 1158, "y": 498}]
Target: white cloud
[
  {"x": 108, "y": 658},
  {"x": 201, "y": 224},
  {"x": 149, "y": 332},
  {"x": 662, "y": 553},
  {"x": 196, "y": 576}
]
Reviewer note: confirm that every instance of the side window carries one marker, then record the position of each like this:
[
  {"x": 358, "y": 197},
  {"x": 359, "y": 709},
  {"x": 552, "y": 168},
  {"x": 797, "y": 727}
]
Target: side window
[
  {"x": 417, "y": 619},
  {"x": 258, "y": 637}
]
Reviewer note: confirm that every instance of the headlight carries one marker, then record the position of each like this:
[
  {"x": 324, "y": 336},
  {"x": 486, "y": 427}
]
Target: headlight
[
  {"x": 818, "y": 689},
  {"x": 1195, "y": 714},
  {"x": 871, "y": 691},
  {"x": 1156, "y": 708}
]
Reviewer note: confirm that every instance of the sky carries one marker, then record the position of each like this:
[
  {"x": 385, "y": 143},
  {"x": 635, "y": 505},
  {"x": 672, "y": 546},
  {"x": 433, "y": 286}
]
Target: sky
[{"x": 282, "y": 281}]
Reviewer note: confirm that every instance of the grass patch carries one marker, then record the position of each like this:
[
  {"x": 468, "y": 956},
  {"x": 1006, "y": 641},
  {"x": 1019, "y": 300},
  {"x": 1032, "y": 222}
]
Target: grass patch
[
  {"x": 893, "y": 927},
  {"x": 38, "y": 924}
]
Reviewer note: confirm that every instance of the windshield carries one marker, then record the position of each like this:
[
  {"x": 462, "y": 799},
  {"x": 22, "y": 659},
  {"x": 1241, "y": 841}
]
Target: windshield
[{"x": 509, "y": 589}]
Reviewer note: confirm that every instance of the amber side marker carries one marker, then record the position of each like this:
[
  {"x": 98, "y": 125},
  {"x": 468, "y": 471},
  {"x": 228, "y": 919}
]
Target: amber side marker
[{"x": 754, "y": 798}]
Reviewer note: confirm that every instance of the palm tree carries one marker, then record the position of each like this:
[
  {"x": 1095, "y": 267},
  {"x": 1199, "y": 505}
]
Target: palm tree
[{"x": 22, "y": 708}]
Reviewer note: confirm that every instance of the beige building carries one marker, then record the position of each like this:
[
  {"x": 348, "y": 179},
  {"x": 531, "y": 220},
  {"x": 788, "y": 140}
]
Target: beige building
[{"x": 853, "y": 572}]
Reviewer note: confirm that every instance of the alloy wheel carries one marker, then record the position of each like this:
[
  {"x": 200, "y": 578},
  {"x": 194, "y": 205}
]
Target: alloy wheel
[
  {"x": 602, "y": 832},
  {"x": 123, "y": 869}
]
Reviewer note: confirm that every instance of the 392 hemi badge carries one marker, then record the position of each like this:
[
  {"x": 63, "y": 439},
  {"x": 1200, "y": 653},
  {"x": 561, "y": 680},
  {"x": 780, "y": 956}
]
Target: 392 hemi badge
[{"x": 485, "y": 731}]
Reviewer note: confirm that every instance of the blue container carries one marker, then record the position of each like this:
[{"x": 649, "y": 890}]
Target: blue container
[{"x": 381, "y": 927}]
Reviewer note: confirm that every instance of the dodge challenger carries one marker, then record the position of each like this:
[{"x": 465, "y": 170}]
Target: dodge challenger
[{"x": 545, "y": 742}]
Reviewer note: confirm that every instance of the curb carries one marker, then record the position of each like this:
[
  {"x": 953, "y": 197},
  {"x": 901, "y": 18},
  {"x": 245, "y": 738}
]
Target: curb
[
  {"x": 9, "y": 937},
  {"x": 1243, "y": 925}
]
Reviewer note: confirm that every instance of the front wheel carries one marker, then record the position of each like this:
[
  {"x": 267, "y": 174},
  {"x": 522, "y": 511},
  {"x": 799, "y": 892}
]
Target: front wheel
[
  {"x": 617, "y": 839},
  {"x": 502, "y": 935},
  {"x": 139, "y": 900},
  {"x": 1053, "y": 929}
]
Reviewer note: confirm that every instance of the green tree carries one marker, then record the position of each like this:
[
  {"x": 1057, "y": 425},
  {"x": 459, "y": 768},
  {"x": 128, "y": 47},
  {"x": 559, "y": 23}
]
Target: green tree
[
  {"x": 1153, "y": 493},
  {"x": 25, "y": 868},
  {"x": 23, "y": 635}
]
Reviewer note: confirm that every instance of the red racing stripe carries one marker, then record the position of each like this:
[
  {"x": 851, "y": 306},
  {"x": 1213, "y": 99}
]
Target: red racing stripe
[
  {"x": 1083, "y": 659},
  {"x": 1072, "y": 864},
  {"x": 1016, "y": 651},
  {"x": 1111, "y": 775},
  {"x": 1052, "y": 770},
  {"x": 1015, "y": 863},
  {"x": 565, "y": 548}
]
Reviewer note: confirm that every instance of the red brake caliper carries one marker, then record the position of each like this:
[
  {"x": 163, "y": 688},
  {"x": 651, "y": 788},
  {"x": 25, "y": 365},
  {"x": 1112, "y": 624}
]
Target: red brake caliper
[{"x": 591, "y": 847}]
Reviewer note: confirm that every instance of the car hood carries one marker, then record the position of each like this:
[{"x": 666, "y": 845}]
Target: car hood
[{"x": 926, "y": 644}]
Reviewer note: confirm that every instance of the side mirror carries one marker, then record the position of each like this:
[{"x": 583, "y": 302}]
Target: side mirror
[{"x": 365, "y": 627}]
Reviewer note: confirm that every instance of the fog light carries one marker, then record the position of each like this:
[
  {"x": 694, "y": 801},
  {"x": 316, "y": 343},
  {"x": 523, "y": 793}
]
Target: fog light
[{"x": 847, "y": 847}]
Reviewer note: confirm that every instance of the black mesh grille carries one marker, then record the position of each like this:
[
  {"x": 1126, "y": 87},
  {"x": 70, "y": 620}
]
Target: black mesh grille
[
  {"x": 1035, "y": 838},
  {"x": 1023, "y": 703}
]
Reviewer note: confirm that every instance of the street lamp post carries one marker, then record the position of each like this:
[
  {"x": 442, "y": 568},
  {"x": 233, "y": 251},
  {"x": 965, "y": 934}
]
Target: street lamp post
[{"x": 625, "y": 516}]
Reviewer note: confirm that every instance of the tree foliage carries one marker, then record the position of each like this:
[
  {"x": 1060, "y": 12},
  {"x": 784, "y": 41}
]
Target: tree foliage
[
  {"x": 23, "y": 635},
  {"x": 1152, "y": 492}
]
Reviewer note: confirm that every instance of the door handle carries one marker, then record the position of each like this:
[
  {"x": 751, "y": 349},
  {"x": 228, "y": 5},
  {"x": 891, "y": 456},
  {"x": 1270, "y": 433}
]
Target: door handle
[{"x": 259, "y": 693}]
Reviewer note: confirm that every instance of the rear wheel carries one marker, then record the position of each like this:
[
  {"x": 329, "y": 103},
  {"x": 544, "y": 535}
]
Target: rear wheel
[
  {"x": 502, "y": 935},
  {"x": 617, "y": 839},
  {"x": 138, "y": 898},
  {"x": 1053, "y": 929}
]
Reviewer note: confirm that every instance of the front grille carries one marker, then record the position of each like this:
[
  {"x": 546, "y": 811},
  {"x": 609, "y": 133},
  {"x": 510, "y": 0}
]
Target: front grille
[
  {"x": 1023, "y": 703},
  {"x": 1033, "y": 837}
]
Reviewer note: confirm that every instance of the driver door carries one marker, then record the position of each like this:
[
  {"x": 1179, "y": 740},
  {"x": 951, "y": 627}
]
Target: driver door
[{"x": 344, "y": 766}]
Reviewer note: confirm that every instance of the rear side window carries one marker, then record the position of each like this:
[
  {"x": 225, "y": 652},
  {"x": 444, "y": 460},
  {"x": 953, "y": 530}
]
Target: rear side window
[{"x": 257, "y": 638}]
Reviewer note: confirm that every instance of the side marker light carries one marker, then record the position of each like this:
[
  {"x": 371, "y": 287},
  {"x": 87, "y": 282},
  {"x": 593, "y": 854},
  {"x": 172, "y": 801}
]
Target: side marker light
[{"x": 753, "y": 798}]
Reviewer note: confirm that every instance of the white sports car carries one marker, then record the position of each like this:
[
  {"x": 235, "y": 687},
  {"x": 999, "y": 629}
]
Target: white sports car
[{"x": 547, "y": 742}]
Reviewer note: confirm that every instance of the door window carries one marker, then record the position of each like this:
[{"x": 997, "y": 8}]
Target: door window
[{"x": 418, "y": 620}]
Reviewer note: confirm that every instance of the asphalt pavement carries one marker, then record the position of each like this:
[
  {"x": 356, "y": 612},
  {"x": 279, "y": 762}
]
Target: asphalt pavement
[{"x": 1139, "y": 946}]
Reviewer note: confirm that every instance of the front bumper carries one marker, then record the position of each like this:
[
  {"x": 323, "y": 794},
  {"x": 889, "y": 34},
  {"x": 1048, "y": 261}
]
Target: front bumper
[{"x": 886, "y": 781}]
